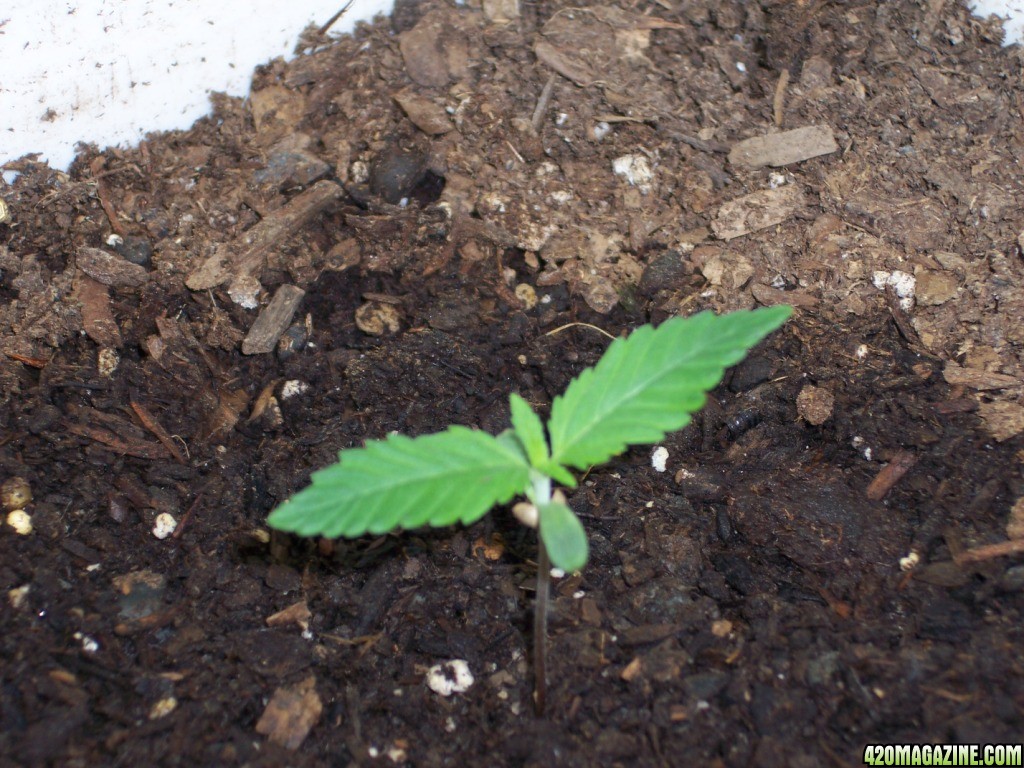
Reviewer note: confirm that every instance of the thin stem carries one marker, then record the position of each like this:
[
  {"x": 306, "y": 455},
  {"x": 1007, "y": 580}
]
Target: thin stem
[
  {"x": 540, "y": 493},
  {"x": 540, "y": 629}
]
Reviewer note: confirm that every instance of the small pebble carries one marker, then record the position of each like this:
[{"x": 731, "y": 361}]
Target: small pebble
[
  {"x": 395, "y": 173},
  {"x": 721, "y": 628},
  {"x": 15, "y": 493},
  {"x": 1012, "y": 580},
  {"x": 137, "y": 250},
  {"x": 815, "y": 404},
  {"x": 163, "y": 708},
  {"x": 17, "y": 596},
  {"x": 397, "y": 755},
  {"x": 107, "y": 361},
  {"x": 292, "y": 341},
  {"x": 527, "y": 295},
  {"x": 376, "y": 318}
]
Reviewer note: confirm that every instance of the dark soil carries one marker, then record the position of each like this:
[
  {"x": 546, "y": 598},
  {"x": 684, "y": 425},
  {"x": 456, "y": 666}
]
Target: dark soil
[{"x": 746, "y": 607}]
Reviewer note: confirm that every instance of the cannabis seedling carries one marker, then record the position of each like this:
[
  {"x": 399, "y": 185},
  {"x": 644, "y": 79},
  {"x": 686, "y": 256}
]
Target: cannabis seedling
[{"x": 644, "y": 386}]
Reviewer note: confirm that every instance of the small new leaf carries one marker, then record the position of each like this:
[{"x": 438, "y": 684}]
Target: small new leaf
[
  {"x": 401, "y": 482},
  {"x": 557, "y": 472},
  {"x": 649, "y": 384},
  {"x": 563, "y": 536},
  {"x": 528, "y": 428}
]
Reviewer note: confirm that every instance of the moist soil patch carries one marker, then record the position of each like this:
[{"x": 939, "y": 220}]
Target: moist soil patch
[{"x": 399, "y": 228}]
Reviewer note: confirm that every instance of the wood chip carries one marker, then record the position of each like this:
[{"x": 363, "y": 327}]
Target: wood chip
[
  {"x": 647, "y": 633},
  {"x": 97, "y": 316},
  {"x": 501, "y": 11},
  {"x": 1015, "y": 525},
  {"x": 230, "y": 404},
  {"x": 296, "y": 613},
  {"x": 785, "y": 148},
  {"x": 264, "y": 401},
  {"x": 276, "y": 111},
  {"x": 989, "y": 551},
  {"x": 978, "y": 379},
  {"x": 632, "y": 670},
  {"x": 115, "y": 434},
  {"x": 31, "y": 362},
  {"x": 424, "y": 114},
  {"x": 154, "y": 426},
  {"x": 109, "y": 269},
  {"x": 245, "y": 256},
  {"x": 960, "y": 405},
  {"x": 935, "y": 288},
  {"x": 730, "y": 269},
  {"x": 779, "y": 100},
  {"x": 1002, "y": 420},
  {"x": 757, "y": 210},
  {"x": 937, "y": 86},
  {"x": 769, "y": 297},
  {"x": 291, "y": 714},
  {"x": 177, "y": 351},
  {"x": 424, "y": 52},
  {"x": 273, "y": 321},
  {"x": 945, "y": 573},
  {"x": 890, "y": 475},
  {"x": 573, "y": 69}
]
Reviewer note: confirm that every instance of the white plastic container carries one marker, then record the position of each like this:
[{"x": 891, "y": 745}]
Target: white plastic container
[{"x": 109, "y": 71}]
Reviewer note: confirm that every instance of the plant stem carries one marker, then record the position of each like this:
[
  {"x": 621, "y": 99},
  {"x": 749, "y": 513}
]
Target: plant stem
[
  {"x": 540, "y": 629},
  {"x": 540, "y": 493}
]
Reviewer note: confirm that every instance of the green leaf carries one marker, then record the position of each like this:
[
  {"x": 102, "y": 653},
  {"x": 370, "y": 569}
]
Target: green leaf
[
  {"x": 557, "y": 472},
  {"x": 401, "y": 482},
  {"x": 648, "y": 384},
  {"x": 509, "y": 442},
  {"x": 563, "y": 536},
  {"x": 529, "y": 429}
]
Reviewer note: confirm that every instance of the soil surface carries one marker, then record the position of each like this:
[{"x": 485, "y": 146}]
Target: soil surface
[{"x": 399, "y": 228}]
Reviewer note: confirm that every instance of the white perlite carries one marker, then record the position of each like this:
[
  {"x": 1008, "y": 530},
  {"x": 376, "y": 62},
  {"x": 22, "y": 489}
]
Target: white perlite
[
  {"x": 293, "y": 388},
  {"x": 450, "y": 677},
  {"x": 635, "y": 169},
  {"x": 659, "y": 457},
  {"x": 903, "y": 283},
  {"x": 89, "y": 644},
  {"x": 910, "y": 562},
  {"x": 20, "y": 521},
  {"x": 164, "y": 525}
]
